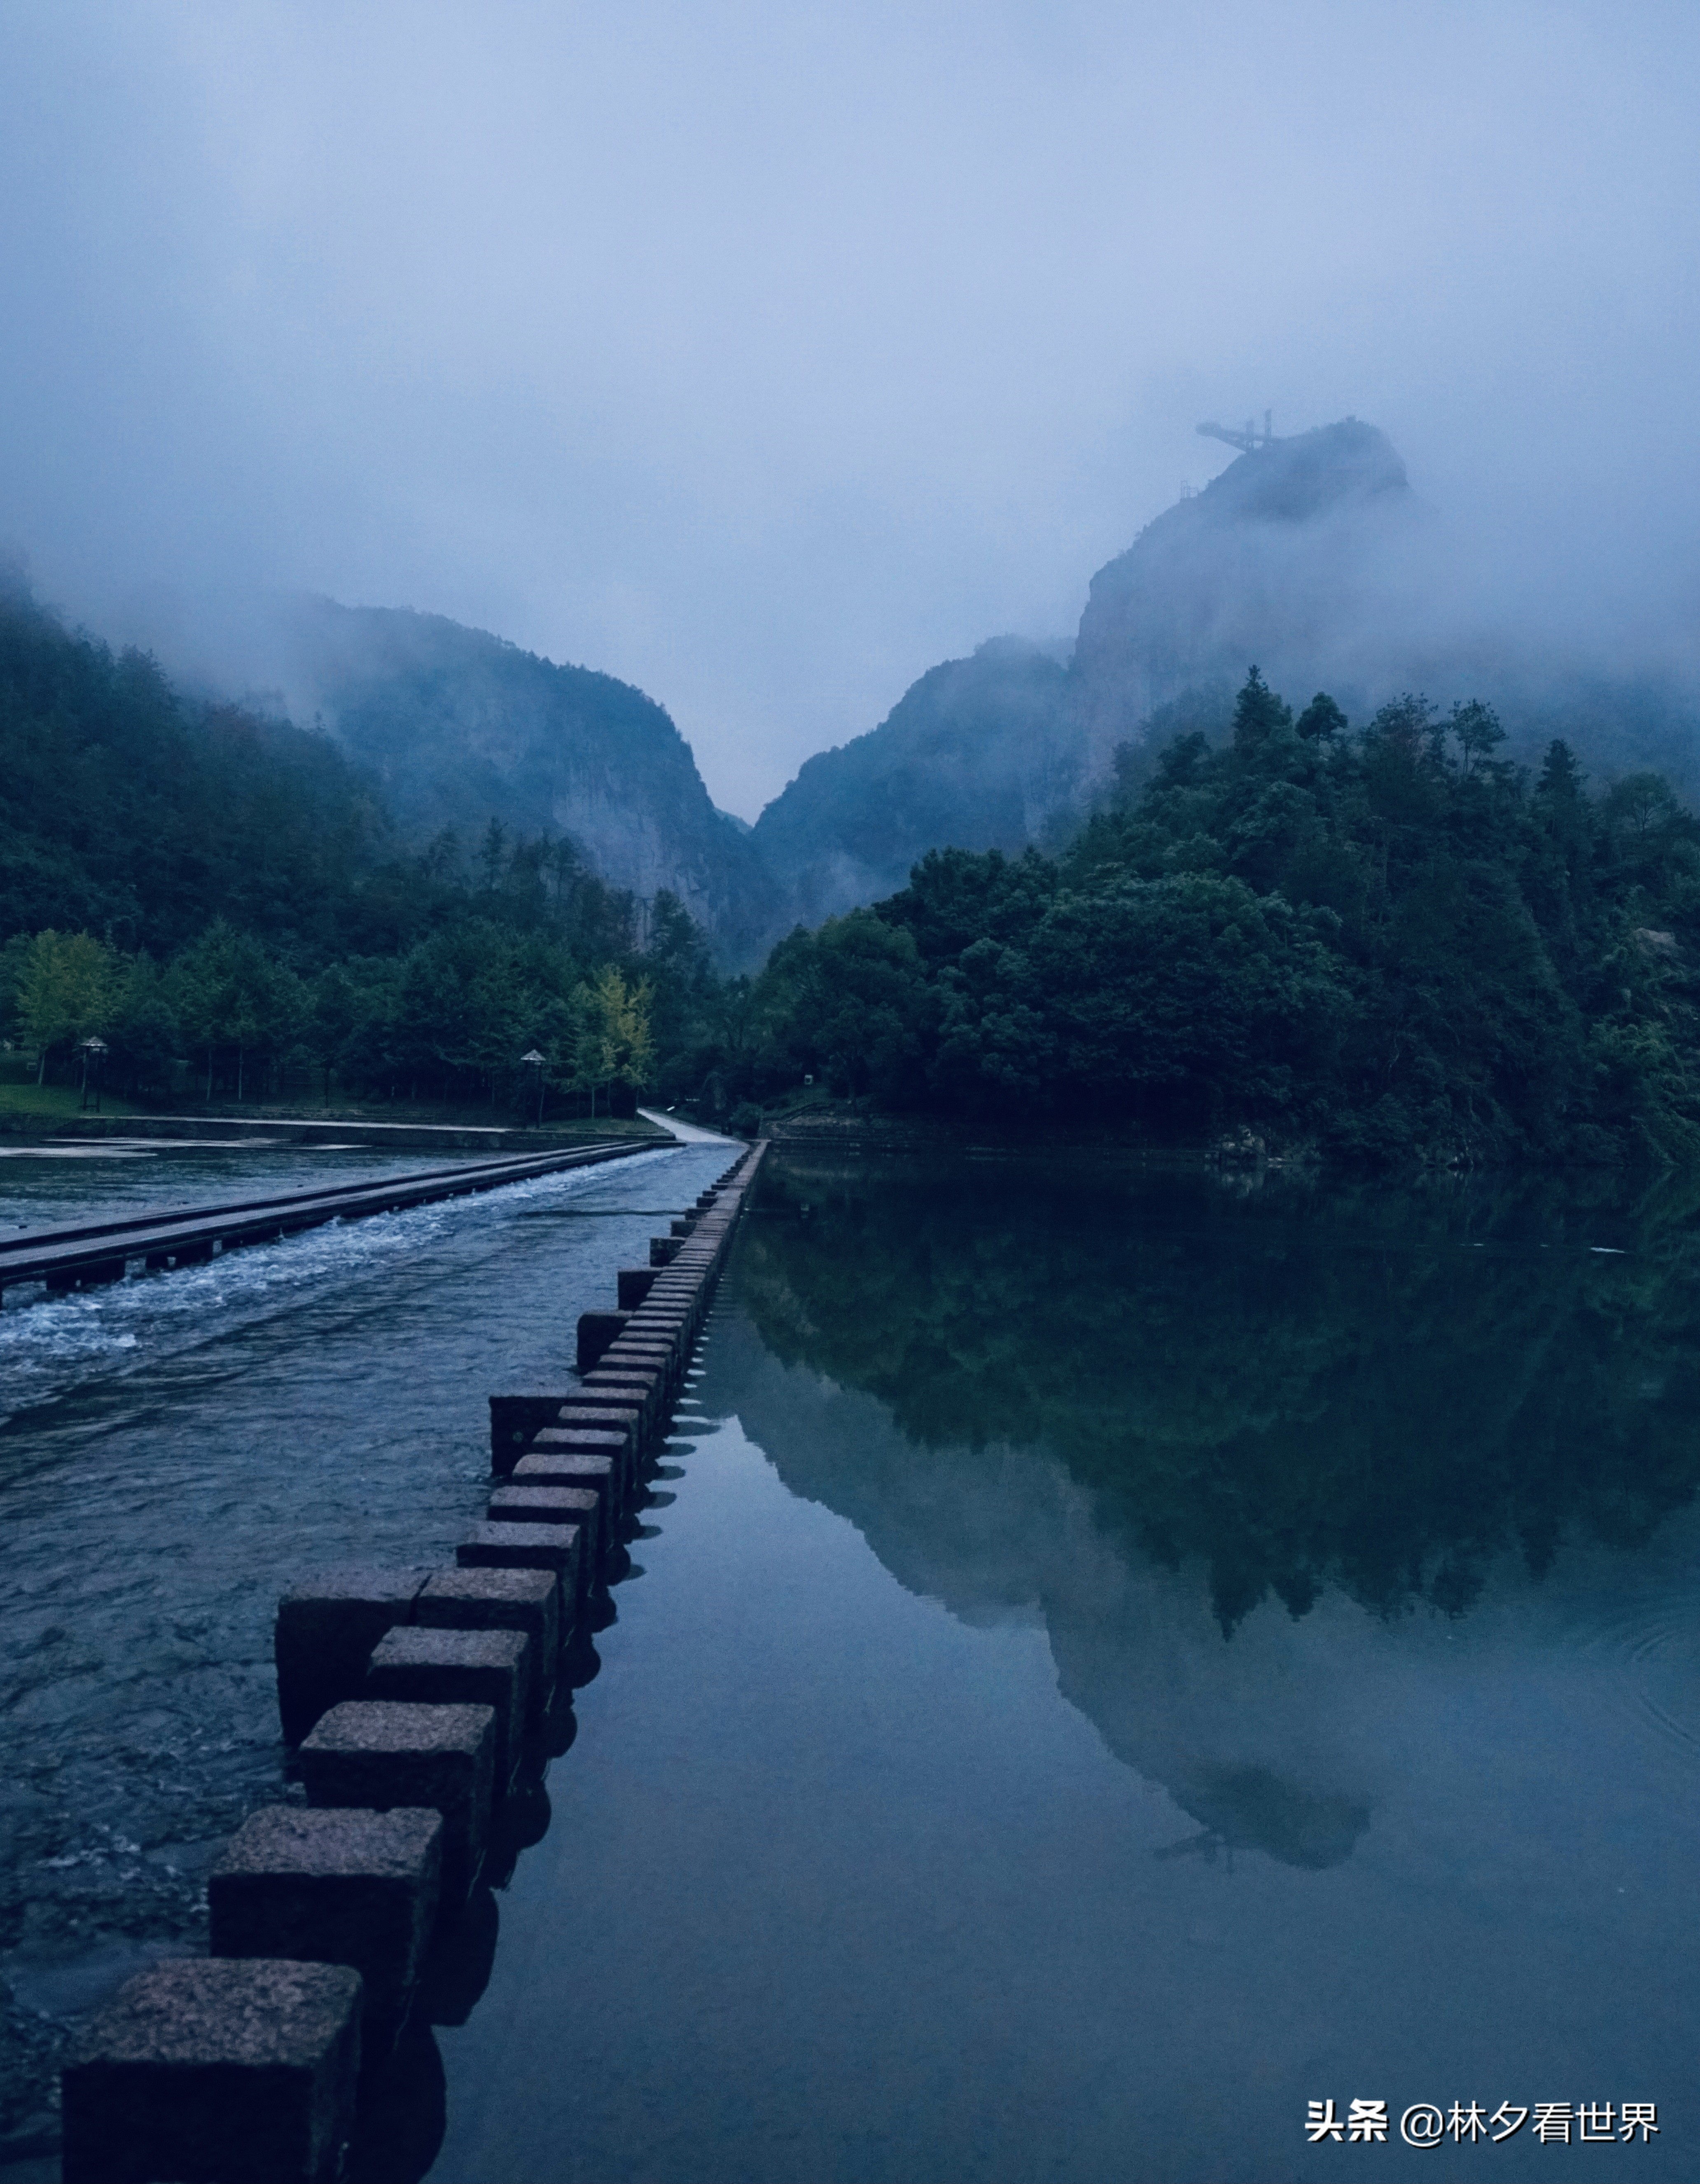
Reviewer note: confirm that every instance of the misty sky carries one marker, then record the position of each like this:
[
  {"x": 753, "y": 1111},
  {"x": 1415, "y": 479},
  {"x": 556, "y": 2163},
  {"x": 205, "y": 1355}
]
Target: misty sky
[{"x": 766, "y": 354}]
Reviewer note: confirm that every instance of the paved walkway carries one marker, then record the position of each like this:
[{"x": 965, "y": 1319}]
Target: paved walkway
[{"x": 687, "y": 1133}]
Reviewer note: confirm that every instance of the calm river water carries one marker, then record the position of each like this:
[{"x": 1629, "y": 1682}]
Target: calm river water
[{"x": 1118, "y": 1657}]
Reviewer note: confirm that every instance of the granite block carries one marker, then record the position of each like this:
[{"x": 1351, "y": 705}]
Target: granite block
[
  {"x": 383, "y": 1752},
  {"x": 433, "y": 1667},
  {"x": 514, "y": 1420},
  {"x": 557, "y": 1547},
  {"x": 527, "y": 1600},
  {"x": 596, "y": 1330},
  {"x": 553, "y": 1506},
  {"x": 332, "y": 1886},
  {"x": 327, "y": 1625},
  {"x": 221, "y": 2071}
]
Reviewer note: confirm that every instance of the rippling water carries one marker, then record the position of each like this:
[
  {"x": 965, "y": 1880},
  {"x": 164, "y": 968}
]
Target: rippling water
[
  {"x": 179, "y": 1445},
  {"x": 1116, "y": 1657},
  {"x": 44, "y": 1184},
  {"x": 50, "y": 1345}
]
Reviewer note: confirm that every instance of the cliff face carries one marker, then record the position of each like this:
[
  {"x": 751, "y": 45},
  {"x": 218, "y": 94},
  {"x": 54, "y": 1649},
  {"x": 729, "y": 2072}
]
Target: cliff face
[
  {"x": 1003, "y": 749},
  {"x": 1310, "y": 557},
  {"x": 1274, "y": 563},
  {"x": 461, "y": 728},
  {"x": 996, "y": 751}
]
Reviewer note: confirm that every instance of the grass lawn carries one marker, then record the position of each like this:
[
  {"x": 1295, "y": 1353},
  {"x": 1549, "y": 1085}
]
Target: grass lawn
[{"x": 54, "y": 1103}]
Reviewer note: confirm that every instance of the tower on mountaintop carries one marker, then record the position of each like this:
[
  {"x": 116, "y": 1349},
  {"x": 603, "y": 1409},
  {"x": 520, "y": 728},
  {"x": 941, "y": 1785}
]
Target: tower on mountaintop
[{"x": 1248, "y": 441}]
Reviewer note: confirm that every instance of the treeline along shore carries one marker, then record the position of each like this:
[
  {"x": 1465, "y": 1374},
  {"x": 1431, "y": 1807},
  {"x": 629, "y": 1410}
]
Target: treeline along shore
[{"x": 1385, "y": 942}]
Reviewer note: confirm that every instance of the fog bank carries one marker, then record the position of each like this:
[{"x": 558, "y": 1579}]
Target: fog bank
[{"x": 763, "y": 360}]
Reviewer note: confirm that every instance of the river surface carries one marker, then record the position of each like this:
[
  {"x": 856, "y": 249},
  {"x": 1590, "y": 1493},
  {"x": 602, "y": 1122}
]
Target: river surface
[
  {"x": 1116, "y": 1657},
  {"x": 178, "y": 1447}
]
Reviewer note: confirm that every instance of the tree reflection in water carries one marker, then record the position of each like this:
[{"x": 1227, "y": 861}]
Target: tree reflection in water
[
  {"x": 1296, "y": 1387},
  {"x": 1154, "y": 1411}
]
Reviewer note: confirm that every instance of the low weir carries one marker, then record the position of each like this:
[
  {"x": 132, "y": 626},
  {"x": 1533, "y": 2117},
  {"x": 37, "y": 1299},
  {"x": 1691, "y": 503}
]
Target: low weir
[
  {"x": 416, "y": 1699},
  {"x": 105, "y": 1250}
]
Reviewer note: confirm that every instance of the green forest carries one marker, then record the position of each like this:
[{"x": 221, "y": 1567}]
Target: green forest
[
  {"x": 223, "y": 902},
  {"x": 1387, "y": 943}
]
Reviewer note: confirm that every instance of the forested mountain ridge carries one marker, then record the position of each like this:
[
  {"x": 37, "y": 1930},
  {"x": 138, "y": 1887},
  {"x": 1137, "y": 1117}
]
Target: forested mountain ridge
[
  {"x": 1273, "y": 561},
  {"x": 197, "y": 887},
  {"x": 126, "y": 811},
  {"x": 1312, "y": 555},
  {"x": 1011, "y": 747},
  {"x": 977, "y": 754},
  {"x": 1392, "y": 944},
  {"x": 459, "y": 726}
]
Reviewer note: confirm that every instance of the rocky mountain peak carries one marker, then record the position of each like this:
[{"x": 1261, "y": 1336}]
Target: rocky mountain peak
[{"x": 1266, "y": 564}]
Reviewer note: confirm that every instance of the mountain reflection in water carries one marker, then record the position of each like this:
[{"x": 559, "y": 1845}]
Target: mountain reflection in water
[
  {"x": 1130, "y": 1655},
  {"x": 1141, "y": 1407}
]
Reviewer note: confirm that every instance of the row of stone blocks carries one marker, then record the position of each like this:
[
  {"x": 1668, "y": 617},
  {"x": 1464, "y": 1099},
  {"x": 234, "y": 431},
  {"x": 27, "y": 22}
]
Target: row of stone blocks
[{"x": 409, "y": 1693}]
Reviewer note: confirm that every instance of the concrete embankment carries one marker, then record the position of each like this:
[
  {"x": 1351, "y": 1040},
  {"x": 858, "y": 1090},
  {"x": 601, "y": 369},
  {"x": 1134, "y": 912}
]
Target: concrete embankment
[{"x": 420, "y": 1700}]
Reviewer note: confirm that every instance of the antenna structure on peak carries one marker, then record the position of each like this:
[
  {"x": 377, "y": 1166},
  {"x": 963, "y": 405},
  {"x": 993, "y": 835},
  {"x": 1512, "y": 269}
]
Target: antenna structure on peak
[{"x": 1250, "y": 440}]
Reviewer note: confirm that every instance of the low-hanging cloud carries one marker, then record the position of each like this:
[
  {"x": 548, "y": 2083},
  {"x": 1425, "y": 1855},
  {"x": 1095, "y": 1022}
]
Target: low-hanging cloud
[{"x": 763, "y": 356}]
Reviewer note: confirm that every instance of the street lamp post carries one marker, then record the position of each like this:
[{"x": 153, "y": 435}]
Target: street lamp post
[
  {"x": 535, "y": 1060},
  {"x": 94, "y": 1051}
]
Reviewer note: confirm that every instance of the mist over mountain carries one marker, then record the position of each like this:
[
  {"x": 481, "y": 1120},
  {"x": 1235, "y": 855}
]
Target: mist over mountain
[
  {"x": 460, "y": 726},
  {"x": 1284, "y": 561},
  {"x": 979, "y": 754},
  {"x": 1311, "y": 556},
  {"x": 1277, "y": 561},
  {"x": 1314, "y": 559},
  {"x": 457, "y": 727}
]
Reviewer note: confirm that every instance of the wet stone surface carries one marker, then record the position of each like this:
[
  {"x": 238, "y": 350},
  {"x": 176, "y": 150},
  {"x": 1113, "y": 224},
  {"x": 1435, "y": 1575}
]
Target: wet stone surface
[
  {"x": 206, "y": 2071},
  {"x": 527, "y": 1600},
  {"x": 383, "y": 1753},
  {"x": 194, "y": 1441},
  {"x": 339, "y": 1887},
  {"x": 435, "y": 1666}
]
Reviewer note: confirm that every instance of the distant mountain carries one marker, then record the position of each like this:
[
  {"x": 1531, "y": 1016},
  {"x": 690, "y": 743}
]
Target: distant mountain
[
  {"x": 1006, "y": 748},
  {"x": 980, "y": 754},
  {"x": 1310, "y": 557},
  {"x": 458, "y": 727},
  {"x": 1283, "y": 561},
  {"x": 131, "y": 813}
]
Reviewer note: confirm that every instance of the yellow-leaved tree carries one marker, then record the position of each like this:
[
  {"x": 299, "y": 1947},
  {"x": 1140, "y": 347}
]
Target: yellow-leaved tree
[{"x": 612, "y": 1042}]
